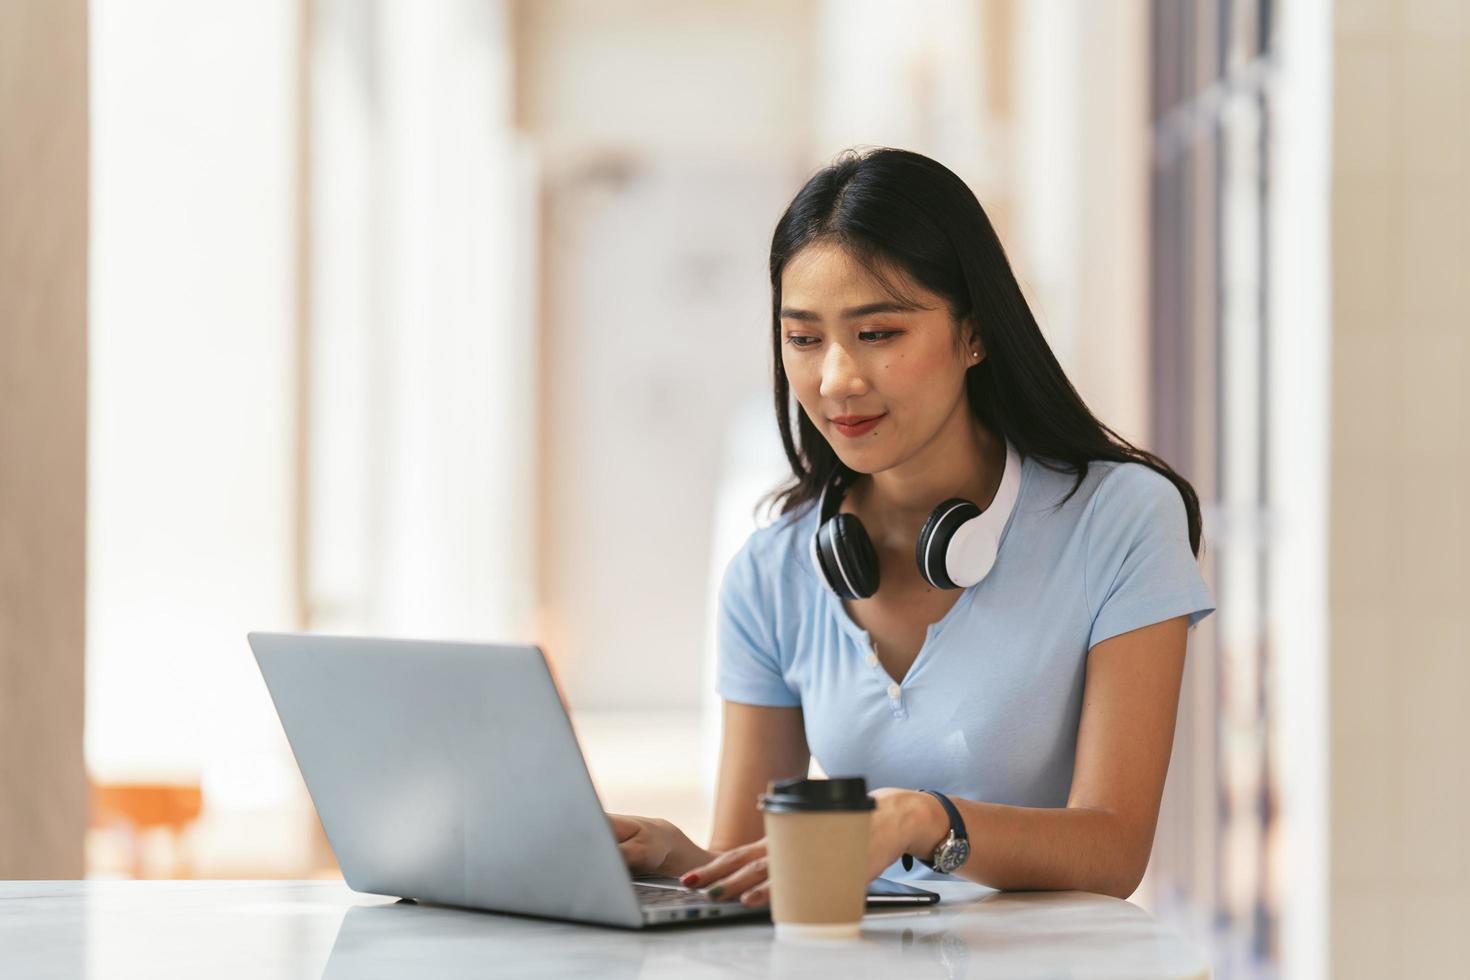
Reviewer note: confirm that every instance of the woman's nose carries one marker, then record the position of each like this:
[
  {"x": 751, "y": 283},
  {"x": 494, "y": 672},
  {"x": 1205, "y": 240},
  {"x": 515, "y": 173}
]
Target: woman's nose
[{"x": 841, "y": 377}]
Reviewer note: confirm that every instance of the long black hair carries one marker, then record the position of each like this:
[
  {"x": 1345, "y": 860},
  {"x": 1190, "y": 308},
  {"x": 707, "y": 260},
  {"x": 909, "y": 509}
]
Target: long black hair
[{"x": 897, "y": 209}]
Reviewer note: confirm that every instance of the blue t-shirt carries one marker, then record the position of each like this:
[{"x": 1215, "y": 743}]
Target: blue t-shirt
[{"x": 990, "y": 708}]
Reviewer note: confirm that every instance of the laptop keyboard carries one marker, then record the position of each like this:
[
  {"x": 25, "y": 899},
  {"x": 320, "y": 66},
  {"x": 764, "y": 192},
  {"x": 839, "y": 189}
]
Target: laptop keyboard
[{"x": 665, "y": 896}]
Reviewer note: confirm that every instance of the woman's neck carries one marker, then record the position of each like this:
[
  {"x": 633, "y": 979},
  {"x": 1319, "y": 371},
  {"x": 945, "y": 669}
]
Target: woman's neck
[{"x": 964, "y": 459}]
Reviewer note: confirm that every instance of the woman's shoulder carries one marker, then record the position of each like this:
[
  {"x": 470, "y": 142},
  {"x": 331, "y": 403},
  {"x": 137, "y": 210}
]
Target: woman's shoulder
[
  {"x": 779, "y": 549},
  {"x": 1130, "y": 487},
  {"x": 1108, "y": 484},
  {"x": 1120, "y": 501}
]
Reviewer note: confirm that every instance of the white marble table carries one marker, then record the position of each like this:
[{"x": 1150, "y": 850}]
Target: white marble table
[{"x": 322, "y": 929}]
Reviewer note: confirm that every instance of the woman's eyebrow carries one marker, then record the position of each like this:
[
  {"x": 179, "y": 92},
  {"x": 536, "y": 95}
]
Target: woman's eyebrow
[{"x": 867, "y": 309}]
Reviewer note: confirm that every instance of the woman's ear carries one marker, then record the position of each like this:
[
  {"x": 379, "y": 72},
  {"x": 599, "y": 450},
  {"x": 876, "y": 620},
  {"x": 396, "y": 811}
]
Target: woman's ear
[{"x": 974, "y": 346}]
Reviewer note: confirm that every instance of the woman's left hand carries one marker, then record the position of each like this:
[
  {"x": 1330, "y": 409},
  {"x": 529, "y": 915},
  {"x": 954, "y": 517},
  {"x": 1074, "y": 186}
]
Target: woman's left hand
[{"x": 741, "y": 871}]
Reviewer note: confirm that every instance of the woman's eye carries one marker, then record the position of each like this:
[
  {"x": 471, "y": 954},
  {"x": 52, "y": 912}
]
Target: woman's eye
[{"x": 875, "y": 336}]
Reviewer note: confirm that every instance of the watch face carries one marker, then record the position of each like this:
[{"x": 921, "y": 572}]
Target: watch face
[{"x": 951, "y": 853}]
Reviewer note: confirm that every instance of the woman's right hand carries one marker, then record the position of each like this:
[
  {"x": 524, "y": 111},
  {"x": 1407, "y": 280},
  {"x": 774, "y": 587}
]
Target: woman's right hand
[{"x": 654, "y": 846}]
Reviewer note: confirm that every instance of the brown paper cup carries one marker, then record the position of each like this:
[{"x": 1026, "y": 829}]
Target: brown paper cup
[{"x": 818, "y": 868}]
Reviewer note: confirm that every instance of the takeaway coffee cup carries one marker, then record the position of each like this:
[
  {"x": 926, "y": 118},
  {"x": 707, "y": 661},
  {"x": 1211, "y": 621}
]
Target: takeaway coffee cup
[{"x": 817, "y": 848}]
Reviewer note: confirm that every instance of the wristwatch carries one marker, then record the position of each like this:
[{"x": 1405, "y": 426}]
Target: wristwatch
[{"x": 954, "y": 850}]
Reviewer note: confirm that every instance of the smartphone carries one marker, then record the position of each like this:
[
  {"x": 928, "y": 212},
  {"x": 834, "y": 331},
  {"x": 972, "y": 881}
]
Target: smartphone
[{"x": 883, "y": 892}]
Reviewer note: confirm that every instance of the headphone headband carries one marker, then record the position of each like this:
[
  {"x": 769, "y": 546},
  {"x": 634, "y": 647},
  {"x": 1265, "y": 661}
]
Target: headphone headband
[
  {"x": 972, "y": 548},
  {"x": 834, "y": 478}
]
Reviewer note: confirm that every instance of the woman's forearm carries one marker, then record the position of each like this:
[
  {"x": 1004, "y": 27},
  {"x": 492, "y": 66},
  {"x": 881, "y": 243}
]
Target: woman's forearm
[{"x": 1035, "y": 848}]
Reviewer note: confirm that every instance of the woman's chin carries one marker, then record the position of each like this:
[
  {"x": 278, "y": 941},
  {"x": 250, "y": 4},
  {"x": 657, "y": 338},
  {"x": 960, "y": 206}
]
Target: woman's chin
[{"x": 865, "y": 459}]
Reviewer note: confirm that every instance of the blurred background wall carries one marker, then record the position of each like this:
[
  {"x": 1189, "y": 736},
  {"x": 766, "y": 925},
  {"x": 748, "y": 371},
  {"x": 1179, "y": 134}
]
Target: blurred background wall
[
  {"x": 451, "y": 319},
  {"x": 43, "y": 436},
  {"x": 1400, "y": 665}
]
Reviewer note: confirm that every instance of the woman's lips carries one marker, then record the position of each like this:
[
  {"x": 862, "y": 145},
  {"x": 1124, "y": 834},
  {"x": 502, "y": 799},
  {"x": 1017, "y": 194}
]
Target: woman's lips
[{"x": 859, "y": 428}]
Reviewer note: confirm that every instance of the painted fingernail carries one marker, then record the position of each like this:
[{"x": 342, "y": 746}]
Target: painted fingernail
[
  {"x": 717, "y": 891},
  {"x": 689, "y": 879}
]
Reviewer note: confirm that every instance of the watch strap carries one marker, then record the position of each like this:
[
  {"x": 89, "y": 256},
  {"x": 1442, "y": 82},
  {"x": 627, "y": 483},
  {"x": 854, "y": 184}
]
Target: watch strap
[{"x": 956, "y": 826}]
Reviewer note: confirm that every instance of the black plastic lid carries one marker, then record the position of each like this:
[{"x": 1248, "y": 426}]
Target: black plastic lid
[{"x": 817, "y": 795}]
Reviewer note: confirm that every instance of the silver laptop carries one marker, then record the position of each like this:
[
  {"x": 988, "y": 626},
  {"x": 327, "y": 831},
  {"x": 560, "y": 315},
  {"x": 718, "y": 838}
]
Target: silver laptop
[{"x": 449, "y": 773}]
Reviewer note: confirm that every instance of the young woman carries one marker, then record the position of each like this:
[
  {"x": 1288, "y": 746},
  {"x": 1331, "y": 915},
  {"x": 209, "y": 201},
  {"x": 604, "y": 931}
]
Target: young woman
[{"x": 1006, "y": 672}]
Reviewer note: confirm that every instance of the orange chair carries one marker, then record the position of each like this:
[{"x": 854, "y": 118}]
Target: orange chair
[{"x": 143, "y": 806}]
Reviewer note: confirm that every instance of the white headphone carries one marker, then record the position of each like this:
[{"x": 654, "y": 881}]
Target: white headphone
[{"x": 957, "y": 546}]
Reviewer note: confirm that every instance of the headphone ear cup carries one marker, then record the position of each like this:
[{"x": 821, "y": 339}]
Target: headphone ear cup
[
  {"x": 971, "y": 553},
  {"x": 933, "y": 544},
  {"x": 848, "y": 557}
]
